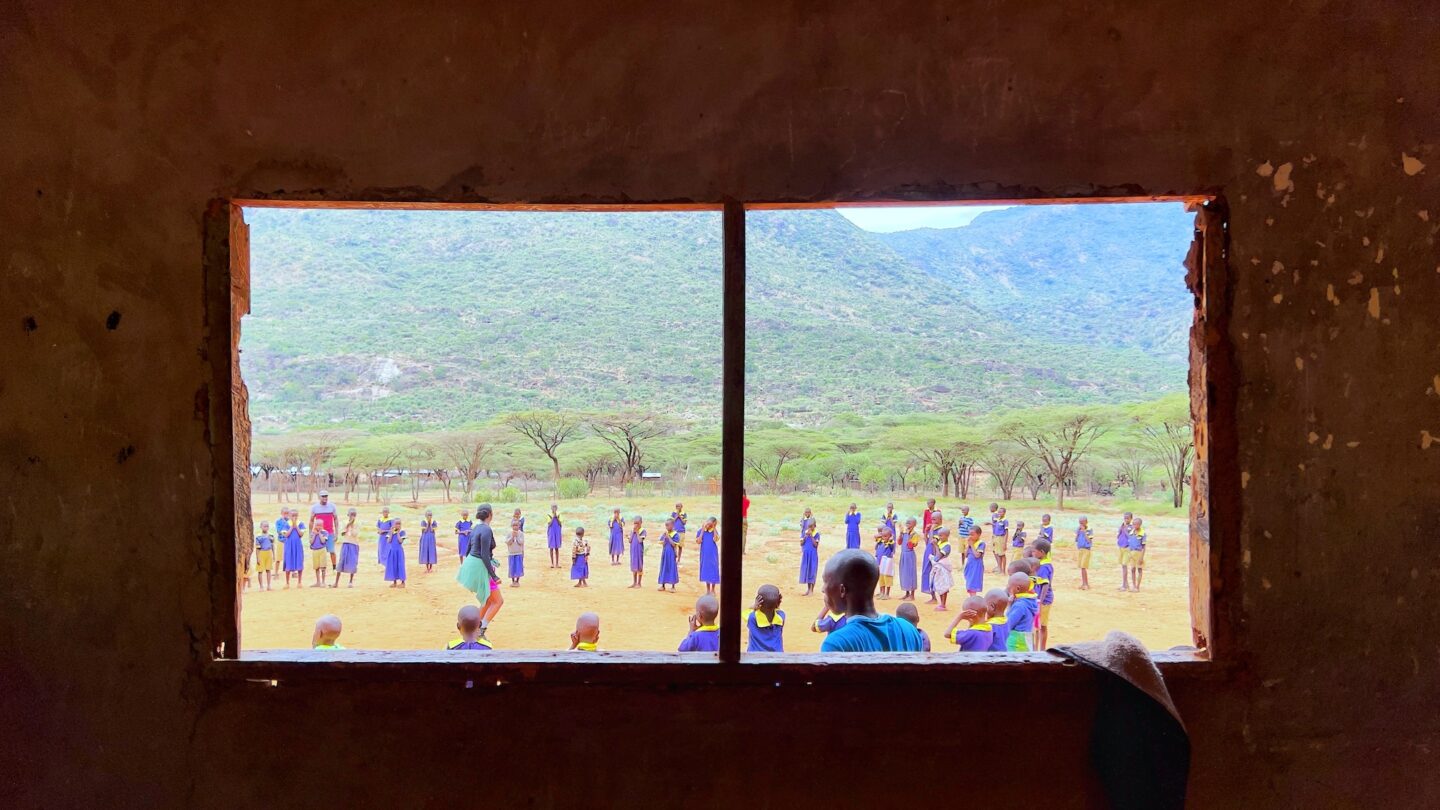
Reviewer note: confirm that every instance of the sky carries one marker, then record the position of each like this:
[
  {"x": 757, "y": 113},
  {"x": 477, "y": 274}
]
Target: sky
[{"x": 906, "y": 218}]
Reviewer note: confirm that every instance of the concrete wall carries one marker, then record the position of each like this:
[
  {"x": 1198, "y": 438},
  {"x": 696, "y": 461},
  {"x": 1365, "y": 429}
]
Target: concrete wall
[{"x": 120, "y": 121}]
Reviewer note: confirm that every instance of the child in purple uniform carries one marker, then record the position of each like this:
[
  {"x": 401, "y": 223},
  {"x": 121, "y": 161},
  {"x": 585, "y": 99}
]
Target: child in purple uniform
[
  {"x": 1021, "y": 613},
  {"x": 974, "y": 562},
  {"x": 637, "y": 551},
  {"x": 709, "y": 555},
  {"x": 852, "y": 527},
  {"x": 679, "y": 517},
  {"x": 349, "y": 561},
  {"x": 996, "y": 603},
  {"x": 1020, "y": 538},
  {"x": 910, "y": 613},
  {"x": 809, "y": 552},
  {"x": 428, "y": 552},
  {"x": 264, "y": 557},
  {"x": 1084, "y": 541},
  {"x": 467, "y": 621},
  {"x": 580, "y": 559},
  {"x": 553, "y": 536},
  {"x": 828, "y": 621},
  {"x": 463, "y": 526},
  {"x": 382, "y": 541},
  {"x": 617, "y": 537},
  {"x": 937, "y": 522},
  {"x": 766, "y": 622},
  {"x": 669, "y": 557},
  {"x": 999, "y": 536},
  {"x": 1044, "y": 591},
  {"x": 906, "y": 544},
  {"x": 704, "y": 632},
  {"x": 976, "y": 636},
  {"x": 1122, "y": 541},
  {"x": 395, "y": 557}
]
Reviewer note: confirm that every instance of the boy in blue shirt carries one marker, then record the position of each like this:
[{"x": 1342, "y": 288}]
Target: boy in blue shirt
[
  {"x": 976, "y": 636},
  {"x": 467, "y": 621},
  {"x": 850, "y": 578},
  {"x": 704, "y": 632},
  {"x": 1044, "y": 591},
  {"x": 264, "y": 557},
  {"x": 766, "y": 622}
]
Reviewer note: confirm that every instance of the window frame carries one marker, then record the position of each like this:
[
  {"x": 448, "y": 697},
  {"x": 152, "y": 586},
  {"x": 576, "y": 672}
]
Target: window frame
[{"x": 1215, "y": 494}]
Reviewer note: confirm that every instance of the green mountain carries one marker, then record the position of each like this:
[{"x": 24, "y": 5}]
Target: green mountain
[{"x": 410, "y": 319}]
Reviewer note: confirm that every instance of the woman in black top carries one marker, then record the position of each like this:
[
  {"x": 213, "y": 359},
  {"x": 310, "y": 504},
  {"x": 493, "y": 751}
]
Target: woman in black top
[{"x": 477, "y": 572}]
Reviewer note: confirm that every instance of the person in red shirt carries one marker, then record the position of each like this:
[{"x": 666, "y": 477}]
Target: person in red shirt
[
  {"x": 744, "y": 521},
  {"x": 925, "y": 522}
]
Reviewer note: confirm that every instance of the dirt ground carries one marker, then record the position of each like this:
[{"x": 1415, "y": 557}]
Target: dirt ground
[{"x": 540, "y": 614}]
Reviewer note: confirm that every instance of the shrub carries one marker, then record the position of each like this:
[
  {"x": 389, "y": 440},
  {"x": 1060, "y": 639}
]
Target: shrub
[
  {"x": 508, "y": 495},
  {"x": 572, "y": 488}
]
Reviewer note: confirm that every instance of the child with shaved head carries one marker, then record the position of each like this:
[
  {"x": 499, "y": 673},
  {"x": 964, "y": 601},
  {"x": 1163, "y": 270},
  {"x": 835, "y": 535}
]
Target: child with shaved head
[
  {"x": 1021, "y": 613},
  {"x": 467, "y": 621},
  {"x": 704, "y": 632},
  {"x": 910, "y": 613},
  {"x": 996, "y": 603},
  {"x": 976, "y": 636},
  {"x": 327, "y": 633},
  {"x": 1044, "y": 590},
  {"x": 586, "y": 637},
  {"x": 766, "y": 622}
]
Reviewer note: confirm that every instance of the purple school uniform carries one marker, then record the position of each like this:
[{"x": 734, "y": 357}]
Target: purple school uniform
[
  {"x": 999, "y": 530},
  {"x": 975, "y": 568},
  {"x": 809, "y": 552},
  {"x": 617, "y": 537},
  {"x": 1135, "y": 541},
  {"x": 709, "y": 558},
  {"x": 349, "y": 561},
  {"x": 703, "y": 639},
  {"x": 889, "y": 520},
  {"x": 767, "y": 638},
  {"x": 462, "y": 533},
  {"x": 924, "y": 641},
  {"x": 580, "y": 566},
  {"x": 395, "y": 558},
  {"x": 1018, "y": 541},
  {"x": 294, "y": 548},
  {"x": 1046, "y": 574},
  {"x": 552, "y": 532},
  {"x": 925, "y": 586},
  {"x": 907, "y": 563},
  {"x": 382, "y": 542},
  {"x": 852, "y": 530},
  {"x": 428, "y": 553},
  {"x": 1122, "y": 537},
  {"x": 978, "y": 638},
  {"x": 637, "y": 551},
  {"x": 1047, "y": 533},
  {"x": 477, "y": 644},
  {"x": 830, "y": 622},
  {"x": 1000, "y": 630},
  {"x": 669, "y": 568},
  {"x": 1021, "y": 614},
  {"x": 1084, "y": 538},
  {"x": 679, "y": 523}
]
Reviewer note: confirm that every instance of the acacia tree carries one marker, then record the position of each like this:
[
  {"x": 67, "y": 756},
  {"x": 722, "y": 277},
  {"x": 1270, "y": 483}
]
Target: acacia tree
[
  {"x": 419, "y": 457},
  {"x": 1131, "y": 463},
  {"x": 945, "y": 451},
  {"x": 627, "y": 433},
  {"x": 768, "y": 462},
  {"x": 468, "y": 453},
  {"x": 547, "y": 430},
  {"x": 1005, "y": 462},
  {"x": 1058, "y": 440},
  {"x": 1171, "y": 443}
]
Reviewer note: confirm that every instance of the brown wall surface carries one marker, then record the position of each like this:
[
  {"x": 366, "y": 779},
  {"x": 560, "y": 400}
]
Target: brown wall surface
[{"x": 120, "y": 121}]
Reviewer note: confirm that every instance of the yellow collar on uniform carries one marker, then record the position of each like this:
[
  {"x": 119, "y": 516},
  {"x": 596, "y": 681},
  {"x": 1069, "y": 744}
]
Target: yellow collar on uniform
[
  {"x": 587, "y": 646},
  {"x": 457, "y": 641},
  {"x": 1026, "y": 595},
  {"x": 761, "y": 620},
  {"x": 704, "y": 628},
  {"x": 1001, "y": 619}
]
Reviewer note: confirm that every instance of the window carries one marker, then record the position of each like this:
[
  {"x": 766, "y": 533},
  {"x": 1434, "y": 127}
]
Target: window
[{"x": 732, "y": 245}]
